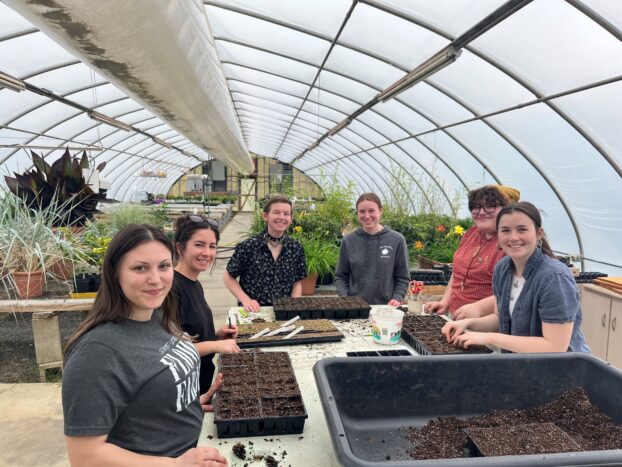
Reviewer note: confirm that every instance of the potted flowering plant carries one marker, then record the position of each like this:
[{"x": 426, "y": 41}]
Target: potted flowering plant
[{"x": 440, "y": 248}]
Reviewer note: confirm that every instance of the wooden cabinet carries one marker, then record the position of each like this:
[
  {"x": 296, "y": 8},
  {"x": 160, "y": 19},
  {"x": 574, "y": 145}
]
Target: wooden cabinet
[
  {"x": 602, "y": 322},
  {"x": 614, "y": 352}
]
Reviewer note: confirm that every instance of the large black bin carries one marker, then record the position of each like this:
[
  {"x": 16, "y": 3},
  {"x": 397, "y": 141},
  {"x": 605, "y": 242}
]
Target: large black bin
[{"x": 368, "y": 401}]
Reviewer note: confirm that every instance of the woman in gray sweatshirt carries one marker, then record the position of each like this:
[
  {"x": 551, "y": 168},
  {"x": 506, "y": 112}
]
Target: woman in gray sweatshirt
[{"x": 373, "y": 260}]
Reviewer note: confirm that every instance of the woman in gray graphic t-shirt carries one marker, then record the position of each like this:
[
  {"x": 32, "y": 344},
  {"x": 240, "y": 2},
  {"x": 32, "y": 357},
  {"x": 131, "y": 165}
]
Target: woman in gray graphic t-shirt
[{"x": 131, "y": 380}]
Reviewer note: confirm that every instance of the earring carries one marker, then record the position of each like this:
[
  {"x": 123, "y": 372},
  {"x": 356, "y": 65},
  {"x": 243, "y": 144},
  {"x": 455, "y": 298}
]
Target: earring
[{"x": 539, "y": 244}]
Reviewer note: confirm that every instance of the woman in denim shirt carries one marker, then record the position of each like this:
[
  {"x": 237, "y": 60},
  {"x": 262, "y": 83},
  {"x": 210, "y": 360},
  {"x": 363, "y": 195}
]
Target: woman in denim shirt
[{"x": 536, "y": 306}]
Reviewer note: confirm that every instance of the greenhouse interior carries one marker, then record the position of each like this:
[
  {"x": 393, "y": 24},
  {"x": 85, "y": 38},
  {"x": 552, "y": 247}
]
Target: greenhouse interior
[{"x": 310, "y": 232}]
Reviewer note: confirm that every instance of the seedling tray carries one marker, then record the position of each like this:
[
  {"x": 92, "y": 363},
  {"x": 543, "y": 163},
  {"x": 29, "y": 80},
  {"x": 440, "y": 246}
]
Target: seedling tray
[
  {"x": 512, "y": 440},
  {"x": 396, "y": 393},
  {"x": 259, "y": 396},
  {"x": 417, "y": 331},
  {"x": 381, "y": 353},
  {"x": 314, "y": 332},
  {"x": 321, "y": 308}
]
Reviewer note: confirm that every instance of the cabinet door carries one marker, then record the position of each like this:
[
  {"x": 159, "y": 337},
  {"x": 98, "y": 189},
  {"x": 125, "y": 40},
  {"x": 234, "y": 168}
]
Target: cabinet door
[
  {"x": 614, "y": 352},
  {"x": 596, "y": 309}
]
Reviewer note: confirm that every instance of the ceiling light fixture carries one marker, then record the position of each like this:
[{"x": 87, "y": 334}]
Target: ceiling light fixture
[
  {"x": 11, "y": 83},
  {"x": 109, "y": 121},
  {"x": 429, "y": 67},
  {"x": 344, "y": 123},
  {"x": 162, "y": 142}
]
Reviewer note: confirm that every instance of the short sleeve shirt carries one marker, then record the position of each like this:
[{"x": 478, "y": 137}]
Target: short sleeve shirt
[
  {"x": 135, "y": 383},
  {"x": 195, "y": 318},
  {"x": 261, "y": 277},
  {"x": 474, "y": 262},
  {"x": 549, "y": 295}
]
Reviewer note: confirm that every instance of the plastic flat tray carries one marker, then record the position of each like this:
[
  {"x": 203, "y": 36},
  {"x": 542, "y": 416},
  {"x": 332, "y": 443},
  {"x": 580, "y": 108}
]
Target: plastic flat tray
[
  {"x": 401, "y": 392},
  {"x": 381, "y": 353},
  {"x": 421, "y": 348},
  {"x": 354, "y": 308},
  {"x": 284, "y": 315},
  {"x": 312, "y": 339},
  {"x": 263, "y": 425}
]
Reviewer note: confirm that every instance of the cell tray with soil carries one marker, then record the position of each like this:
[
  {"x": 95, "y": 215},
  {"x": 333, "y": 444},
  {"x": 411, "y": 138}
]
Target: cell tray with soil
[
  {"x": 259, "y": 396},
  {"x": 321, "y": 308},
  {"x": 570, "y": 423},
  {"x": 315, "y": 331},
  {"x": 423, "y": 333}
]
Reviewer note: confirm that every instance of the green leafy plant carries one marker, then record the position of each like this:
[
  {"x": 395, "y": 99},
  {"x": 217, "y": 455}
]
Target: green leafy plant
[
  {"x": 61, "y": 183},
  {"x": 123, "y": 214},
  {"x": 320, "y": 255},
  {"x": 442, "y": 242},
  {"x": 27, "y": 240}
]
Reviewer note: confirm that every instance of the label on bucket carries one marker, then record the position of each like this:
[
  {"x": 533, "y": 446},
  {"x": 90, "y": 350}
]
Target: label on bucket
[{"x": 386, "y": 325}]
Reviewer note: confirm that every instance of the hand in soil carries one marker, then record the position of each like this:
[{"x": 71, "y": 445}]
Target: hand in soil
[
  {"x": 452, "y": 330},
  {"x": 201, "y": 455},
  {"x": 206, "y": 399},
  {"x": 471, "y": 338}
]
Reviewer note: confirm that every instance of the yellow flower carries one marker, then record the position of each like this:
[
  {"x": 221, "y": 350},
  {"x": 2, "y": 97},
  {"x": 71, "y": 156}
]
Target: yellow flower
[
  {"x": 419, "y": 245},
  {"x": 297, "y": 229},
  {"x": 459, "y": 230}
]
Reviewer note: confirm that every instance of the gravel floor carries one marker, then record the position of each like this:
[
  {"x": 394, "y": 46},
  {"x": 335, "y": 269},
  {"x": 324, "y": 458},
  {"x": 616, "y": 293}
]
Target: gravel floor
[{"x": 17, "y": 350}]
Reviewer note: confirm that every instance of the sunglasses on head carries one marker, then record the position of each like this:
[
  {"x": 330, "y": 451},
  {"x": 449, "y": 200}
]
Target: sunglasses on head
[{"x": 201, "y": 220}]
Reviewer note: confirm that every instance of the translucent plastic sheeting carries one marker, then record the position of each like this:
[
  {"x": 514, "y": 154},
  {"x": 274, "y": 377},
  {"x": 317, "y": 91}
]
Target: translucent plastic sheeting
[{"x": 559, "y": 48}]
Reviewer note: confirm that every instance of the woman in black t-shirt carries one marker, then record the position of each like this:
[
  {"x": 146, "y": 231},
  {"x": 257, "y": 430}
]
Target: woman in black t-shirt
[{"x": 196, "y": 240}]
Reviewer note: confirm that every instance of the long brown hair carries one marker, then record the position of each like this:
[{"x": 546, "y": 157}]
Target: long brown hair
[
  {"x": 111, "y": 304},
  {"x": 525, "y": 207},
  {"x": 373, "y": 197}
]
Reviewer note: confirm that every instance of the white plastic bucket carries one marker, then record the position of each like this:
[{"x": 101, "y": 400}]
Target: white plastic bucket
[{"x": 386, "y": 325}]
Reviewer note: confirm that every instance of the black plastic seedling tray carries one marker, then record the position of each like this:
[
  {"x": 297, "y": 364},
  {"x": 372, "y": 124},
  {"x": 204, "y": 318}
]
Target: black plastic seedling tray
[
  {"x": 263, "y": 424},
  {"x": 381, "y": 353},
  {"x": 422, "y": 349},
  {"x": 395, "y": 393},
  {"x": 315, "y": 308},
  {"x": 319, "y": 339}
]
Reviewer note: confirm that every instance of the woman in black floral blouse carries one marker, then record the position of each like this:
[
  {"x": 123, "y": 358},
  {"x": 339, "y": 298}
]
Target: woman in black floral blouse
[{"x": 270, "y": 265}]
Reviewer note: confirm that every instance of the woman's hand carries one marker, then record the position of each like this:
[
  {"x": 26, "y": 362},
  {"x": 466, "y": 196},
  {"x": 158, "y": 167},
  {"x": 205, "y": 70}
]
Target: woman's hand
[
  {"x": 453, "y": 329},
  {"x": 250, "y": 305},
  {"x": 227, "y": 346},
  {"x": 469, "y": 310},
  {"x": 227, "y": 332},
  {"x": 470, "y": 338},
  {"x": 206, "y": 399},
  {"x": 201, "y": 456},
  {"x": 440, "y": 308},
  {"x": 394, "y": 302}
]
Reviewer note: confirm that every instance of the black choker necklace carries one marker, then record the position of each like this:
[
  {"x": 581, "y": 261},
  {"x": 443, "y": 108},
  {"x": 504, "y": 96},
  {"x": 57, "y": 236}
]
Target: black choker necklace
[{"x": 277, "y": 240}]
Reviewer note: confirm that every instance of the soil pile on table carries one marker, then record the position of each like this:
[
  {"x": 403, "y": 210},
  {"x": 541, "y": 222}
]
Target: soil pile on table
[{"x": 572, "y": 412}]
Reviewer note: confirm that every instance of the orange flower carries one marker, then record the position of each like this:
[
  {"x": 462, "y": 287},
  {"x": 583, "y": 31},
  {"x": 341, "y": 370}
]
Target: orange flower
[
  {"x": 419, "y": 245},
  {"x": 441, "y": 228}
]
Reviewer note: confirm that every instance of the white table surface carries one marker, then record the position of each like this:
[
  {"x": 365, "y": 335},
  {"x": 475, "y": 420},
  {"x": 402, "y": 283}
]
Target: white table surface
[{"x": 313, "y": 447}]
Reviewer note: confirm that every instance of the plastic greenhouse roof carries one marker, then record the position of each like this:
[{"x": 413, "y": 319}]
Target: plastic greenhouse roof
[{"x": 523, "y": 93}]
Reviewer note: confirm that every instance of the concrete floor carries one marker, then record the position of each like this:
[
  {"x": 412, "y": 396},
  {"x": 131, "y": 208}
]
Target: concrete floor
[{"x": 31, "y": 415}]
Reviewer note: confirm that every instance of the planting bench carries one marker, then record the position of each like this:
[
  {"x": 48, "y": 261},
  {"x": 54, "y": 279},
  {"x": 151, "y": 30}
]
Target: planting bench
[{"x": 45, "y": 329}]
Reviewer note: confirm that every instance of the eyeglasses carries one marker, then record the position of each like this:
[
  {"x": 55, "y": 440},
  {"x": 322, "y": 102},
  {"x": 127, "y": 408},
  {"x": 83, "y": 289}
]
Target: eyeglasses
[
  {"x": 487, "y": 208},
  {"x": 200, "y": 220}
]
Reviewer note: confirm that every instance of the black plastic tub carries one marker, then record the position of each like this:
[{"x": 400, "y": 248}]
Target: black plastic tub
[{"x": 368, "y": 423}]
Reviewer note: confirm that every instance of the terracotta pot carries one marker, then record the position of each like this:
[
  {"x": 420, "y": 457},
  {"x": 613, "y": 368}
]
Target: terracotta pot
[
  {"x": 63, "y": 270},
  {"x": 29, "y": 284},
  {"x": 308, "y": 284}
]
